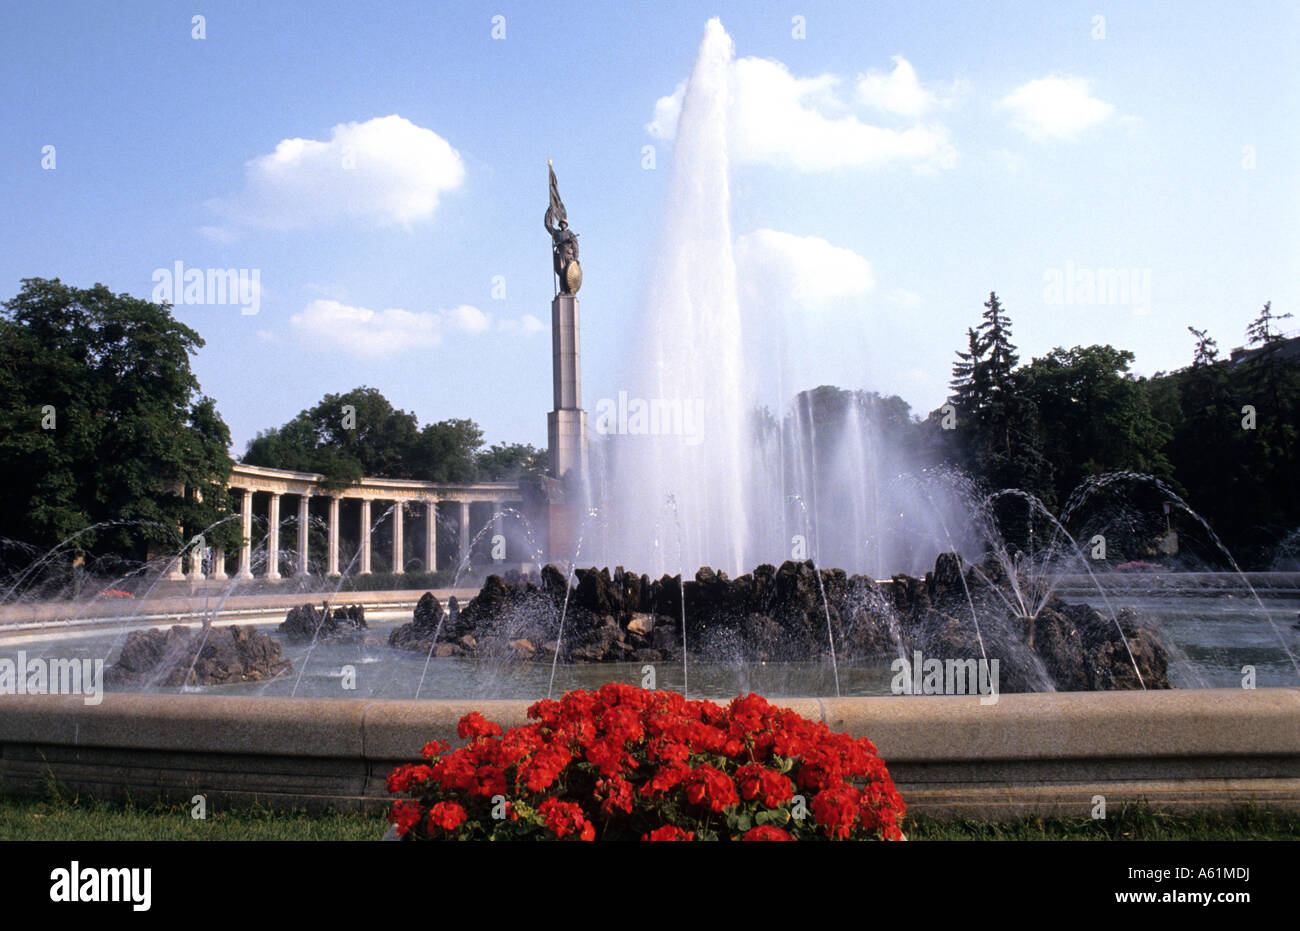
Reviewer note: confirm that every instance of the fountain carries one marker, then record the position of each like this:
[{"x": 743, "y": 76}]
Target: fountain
[{"x": 812, "y": 556}]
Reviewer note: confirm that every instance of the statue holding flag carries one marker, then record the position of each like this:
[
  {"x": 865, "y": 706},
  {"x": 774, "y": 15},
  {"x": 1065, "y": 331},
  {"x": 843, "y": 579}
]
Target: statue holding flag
[{"x": 564, "y": 241}]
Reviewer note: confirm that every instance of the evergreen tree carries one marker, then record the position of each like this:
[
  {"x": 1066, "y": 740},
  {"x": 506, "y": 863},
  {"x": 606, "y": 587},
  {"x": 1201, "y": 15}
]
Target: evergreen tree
[
  {"x": 1262, "y": 330},
  {"x": 967, "y": 375},
  {"x": 997, "y": 349},
  {"x": 998, "y": 437},
  {"x": 1207, "y": 350}
]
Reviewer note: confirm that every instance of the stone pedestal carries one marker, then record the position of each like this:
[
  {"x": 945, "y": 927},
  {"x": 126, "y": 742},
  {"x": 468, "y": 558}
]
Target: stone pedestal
[
  {"x": 566, "y": 432},
  {"x": 566, "y": 425}
]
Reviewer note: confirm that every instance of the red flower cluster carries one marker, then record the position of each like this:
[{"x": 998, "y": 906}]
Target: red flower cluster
[{"x": 621, "y": 763}]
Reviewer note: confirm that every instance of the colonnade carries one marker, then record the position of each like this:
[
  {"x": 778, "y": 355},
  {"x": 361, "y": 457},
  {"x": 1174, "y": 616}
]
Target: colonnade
[{"x": 279, "y": 483}]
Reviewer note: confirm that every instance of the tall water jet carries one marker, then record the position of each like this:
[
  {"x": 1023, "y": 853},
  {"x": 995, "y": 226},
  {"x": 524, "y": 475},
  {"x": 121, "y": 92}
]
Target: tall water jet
[{"x": 692, "y": 353}]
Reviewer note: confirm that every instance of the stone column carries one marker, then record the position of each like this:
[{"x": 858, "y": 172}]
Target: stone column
[
  {"x": 246, "y": 548},
  {"x": 177, "y": 572},
  {"x": 463, "y": 541},
  {"x": 304, "y": 515},
  {"x": 332, "y": 558},
  {"x": 399, "y": 541},
  {"x": 365, "y": 536},
  {"x": 273, "y": 542},
  {"x": 219, "y": 565},
  {"x": 196, "y": 564},
  {"x": 431, "y": 539}
]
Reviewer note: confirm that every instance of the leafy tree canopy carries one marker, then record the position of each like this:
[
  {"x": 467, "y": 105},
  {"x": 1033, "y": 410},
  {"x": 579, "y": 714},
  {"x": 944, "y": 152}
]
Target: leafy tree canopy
[
  {"x": 359, "y": 433},
  {"x": 100, "y": 416}
]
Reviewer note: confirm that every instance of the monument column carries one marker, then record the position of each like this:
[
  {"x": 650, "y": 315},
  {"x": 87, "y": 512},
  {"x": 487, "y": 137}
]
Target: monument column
[
  {"x": 304, "y": 516},
  {"x": 246, "y": 548},
  {"x": 332, "y": 557},
  {"x": 273, "y": 544},
  {"x": 399, "y": 541},
  {"x": 365, "y": 536},
  {"x": 431, "y": 537},
  {"x": 566, "y": 425}
]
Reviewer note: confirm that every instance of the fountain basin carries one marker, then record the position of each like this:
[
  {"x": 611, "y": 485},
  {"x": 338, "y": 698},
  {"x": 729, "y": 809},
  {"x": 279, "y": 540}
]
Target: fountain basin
[{"x": 1041, "y": 754}]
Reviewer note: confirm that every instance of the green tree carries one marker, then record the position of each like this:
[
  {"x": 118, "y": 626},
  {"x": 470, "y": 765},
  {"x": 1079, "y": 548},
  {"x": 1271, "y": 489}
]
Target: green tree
[
  {"x": 359, "y": 433},
  {"x": 968, "y": 376},
  {"x": 1095, "y": 416},
  {"x": 447, "y": 451},
  {"x": 507, "y": 462},
  {"x": 997, "y": 425},
  {"x": 1263, "y": 331},
  {"x": 101, "y": 419},
  {"x": 1207, "y": 350}
]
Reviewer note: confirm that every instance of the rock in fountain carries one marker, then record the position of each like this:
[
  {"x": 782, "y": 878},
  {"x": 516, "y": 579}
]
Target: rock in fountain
[
  {"x": 781, "y": 615},
  {"x": 327, "y": 625},
  {"x": 1064, "y": 647},
  {"x": 208, "y": 656}
]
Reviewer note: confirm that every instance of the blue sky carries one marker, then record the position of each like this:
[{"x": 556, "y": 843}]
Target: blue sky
[{"x": 890, "y": 168}]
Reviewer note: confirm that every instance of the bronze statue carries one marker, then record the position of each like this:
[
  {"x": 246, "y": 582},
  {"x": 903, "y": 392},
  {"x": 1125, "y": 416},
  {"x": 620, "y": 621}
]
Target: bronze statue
[{"x": 564, "y": 241}]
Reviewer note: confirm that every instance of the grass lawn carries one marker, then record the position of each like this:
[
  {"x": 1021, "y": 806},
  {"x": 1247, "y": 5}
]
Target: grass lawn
[
  {"x": 67, "y": 818},
  {"x": 86, "y": 820},
  {"x": 1136, "y": 822}
]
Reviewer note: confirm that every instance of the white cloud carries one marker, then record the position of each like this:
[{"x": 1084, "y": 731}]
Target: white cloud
[
  {"x": 468, "y": 319},
  {"x": 329, "y": 325},
  {"x": 384, "y": 171},
  {"x": 897, "y": 92},
  {"x": 814, "y": 271},
  {"x": 1055, "y": 108},
  {"x": 901, "y": 297},
  {"x": 806, "y": 124},
  {"x": 667, "y": 110}
]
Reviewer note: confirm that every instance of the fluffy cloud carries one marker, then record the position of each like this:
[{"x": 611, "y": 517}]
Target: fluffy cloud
[
  {"x": 667, "y": 110},
  {"x": 897, "y": 92},
  {"x": 804, "y": 124},
  {"x": 1055, "y": 108},
  {"x": 383, "y": 172},
  {"x": 808, "y": 268},
  {"x": 331, "y": 326}
]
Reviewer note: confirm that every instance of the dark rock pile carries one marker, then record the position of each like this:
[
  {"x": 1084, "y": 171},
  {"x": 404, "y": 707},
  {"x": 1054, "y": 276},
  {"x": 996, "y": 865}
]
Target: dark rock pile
[
  {"x": 341, "y": 624},
  {"x": 780, "y": 614},
  {"x": 206, "y": 656}
]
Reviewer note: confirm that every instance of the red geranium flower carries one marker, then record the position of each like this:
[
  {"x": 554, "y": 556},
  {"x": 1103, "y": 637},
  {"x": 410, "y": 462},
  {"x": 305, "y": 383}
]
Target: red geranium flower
[
  {"x": 766, "y": 832},
  {"x": 475, "y": 725},
  {"x": 446, "y": 815},
  {"x": 711, "y": 788},
  {"x": 668, "y": 832},
  {"x": 631, "y": 756}
]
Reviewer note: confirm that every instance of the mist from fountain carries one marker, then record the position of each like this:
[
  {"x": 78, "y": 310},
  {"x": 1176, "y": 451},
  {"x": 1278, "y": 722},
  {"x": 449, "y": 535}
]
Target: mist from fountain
[{"x": 733, "y": 477}]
